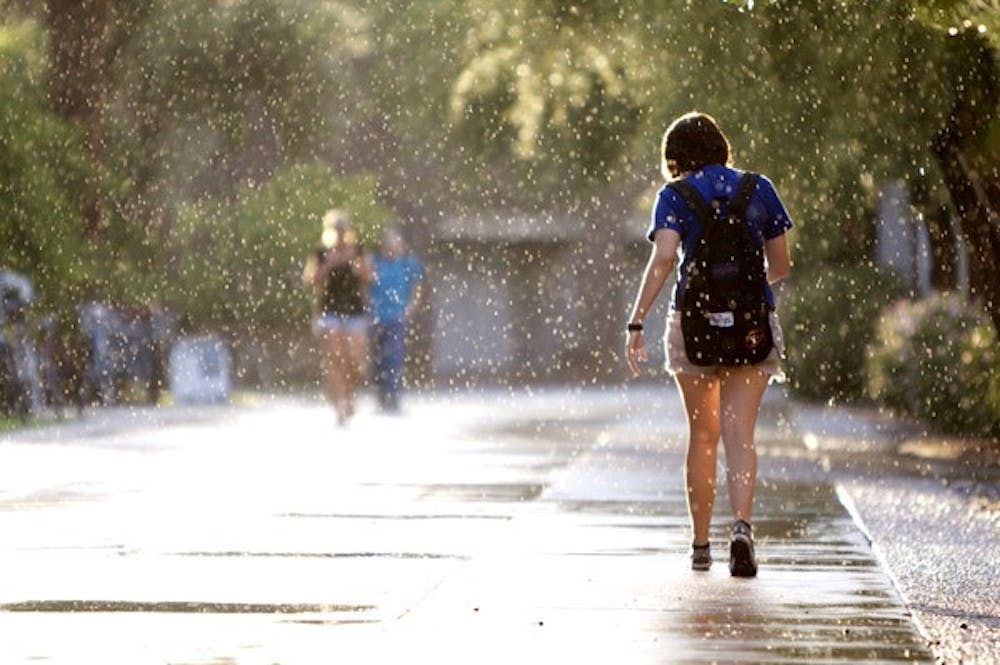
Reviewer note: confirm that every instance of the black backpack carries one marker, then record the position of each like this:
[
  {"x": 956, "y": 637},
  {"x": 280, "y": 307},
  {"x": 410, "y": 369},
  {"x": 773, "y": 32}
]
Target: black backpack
[{"x": 724, "y": 310}]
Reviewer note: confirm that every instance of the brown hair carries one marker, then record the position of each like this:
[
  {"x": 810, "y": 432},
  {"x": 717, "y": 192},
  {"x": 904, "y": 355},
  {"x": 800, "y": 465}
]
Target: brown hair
[{"x": 692, "y": 142}]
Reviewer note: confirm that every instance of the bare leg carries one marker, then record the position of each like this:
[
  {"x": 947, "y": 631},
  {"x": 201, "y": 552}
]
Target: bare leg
[
  {"x": 331, "y": 366},
  {"x": 741, "y": 391},
  {"x": 701, "y": 401},
  {"x": 355, "y": 348},
  {"x": 337, "y": 373}
]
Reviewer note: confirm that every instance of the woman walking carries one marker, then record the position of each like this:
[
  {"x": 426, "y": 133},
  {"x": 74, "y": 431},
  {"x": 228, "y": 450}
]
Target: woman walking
[
  {"x": 339, "y": 273},
  {"x": 721, "y": 385}
]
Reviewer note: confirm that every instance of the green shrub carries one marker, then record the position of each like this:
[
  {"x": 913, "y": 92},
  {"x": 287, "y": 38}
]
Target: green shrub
[
  {"x": 828, "y": 318},
  {"x": 937, "y": 359}
]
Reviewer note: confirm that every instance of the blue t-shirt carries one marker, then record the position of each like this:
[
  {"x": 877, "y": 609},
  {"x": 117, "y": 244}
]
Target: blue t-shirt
[
  {"x": 393, "y": 286},
  {"x": 766, "y": 216}
]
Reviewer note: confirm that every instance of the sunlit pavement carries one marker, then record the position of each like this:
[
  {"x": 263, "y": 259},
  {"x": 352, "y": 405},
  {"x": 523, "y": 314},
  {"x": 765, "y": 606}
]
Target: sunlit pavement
[{"x": 497, "y": 527}]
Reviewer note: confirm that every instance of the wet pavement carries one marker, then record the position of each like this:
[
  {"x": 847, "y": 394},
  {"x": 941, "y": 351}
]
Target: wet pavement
[
  {"x": 497, "y": 527},
  {"x": 930, "y": 505}
]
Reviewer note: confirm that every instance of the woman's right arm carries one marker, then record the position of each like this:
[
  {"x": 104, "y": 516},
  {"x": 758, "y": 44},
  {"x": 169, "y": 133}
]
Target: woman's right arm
[
  {"x": 661, "y": 263},
  {"x": 310, "y": 271},
  {"x": 317, "y": 269}
]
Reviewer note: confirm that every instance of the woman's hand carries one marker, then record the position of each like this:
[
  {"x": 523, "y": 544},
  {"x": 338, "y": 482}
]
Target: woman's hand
[
  {"x": 635, "y": 351},
  {"x": 660, "y": 265},
  {"x": 363, "y": 266}
]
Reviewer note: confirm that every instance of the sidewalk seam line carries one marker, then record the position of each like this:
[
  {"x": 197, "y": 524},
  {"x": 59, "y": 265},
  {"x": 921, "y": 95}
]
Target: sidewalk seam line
[{"x": 846, "y": 500}]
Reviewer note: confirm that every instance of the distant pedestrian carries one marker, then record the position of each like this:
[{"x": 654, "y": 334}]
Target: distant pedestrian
[
  {"x": 63, "y": 361},
  {"x": 338, "y": 272},
  {"x": 723, "y": 342},
  {"x": 395, "y": 295}
]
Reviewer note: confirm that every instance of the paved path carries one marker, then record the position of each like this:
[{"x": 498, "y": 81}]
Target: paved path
[{"x": 492, "y": 528}]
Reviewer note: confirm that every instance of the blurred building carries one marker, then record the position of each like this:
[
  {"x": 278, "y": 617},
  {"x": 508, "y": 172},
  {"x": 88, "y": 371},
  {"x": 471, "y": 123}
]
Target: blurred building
[{"x": 520, "y": 298}]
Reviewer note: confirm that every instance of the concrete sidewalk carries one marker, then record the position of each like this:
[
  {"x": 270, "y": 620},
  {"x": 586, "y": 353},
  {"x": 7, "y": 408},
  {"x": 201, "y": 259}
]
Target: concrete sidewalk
[
  {"x": 596, "y": 570},
  {"x": 501, "y": 526}
]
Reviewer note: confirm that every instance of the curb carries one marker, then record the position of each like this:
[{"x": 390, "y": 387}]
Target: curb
[{"x": 844, "y": 496}]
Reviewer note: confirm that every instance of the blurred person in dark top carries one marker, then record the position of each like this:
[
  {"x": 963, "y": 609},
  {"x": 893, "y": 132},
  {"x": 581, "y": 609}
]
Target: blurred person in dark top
[{"x": 339, "y": 273}]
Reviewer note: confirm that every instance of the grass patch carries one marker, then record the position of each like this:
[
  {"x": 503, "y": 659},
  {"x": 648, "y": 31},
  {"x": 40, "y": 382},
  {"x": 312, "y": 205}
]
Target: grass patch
[
  {"x": 8, "y": 424},
  {"x": 11, "y": 424}
]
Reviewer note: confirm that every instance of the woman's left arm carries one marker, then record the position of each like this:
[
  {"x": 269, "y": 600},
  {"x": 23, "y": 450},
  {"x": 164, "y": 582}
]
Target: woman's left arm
[
  {"x": 364, "y": 266},
  {"x": 658, "y": 269},
  {"x": 778, "y": 264},
  {"x": 776, "y": 229}
]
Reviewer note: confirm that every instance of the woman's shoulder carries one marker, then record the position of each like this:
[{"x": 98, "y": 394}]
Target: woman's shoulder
[
  {"x": 764, "y": 182},
  {"x": 765, "y": 189},
  {"x": 735, "y": 175},
  {"x": 667, "y": 193},
  {"x": 668, "y": 201}
]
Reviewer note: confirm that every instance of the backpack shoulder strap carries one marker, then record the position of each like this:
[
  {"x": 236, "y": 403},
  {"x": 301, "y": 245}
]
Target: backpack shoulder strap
[
  {"x": 737, "y": 206},
  {"x": 744, "y": 192},
  {"x": 694, "y": 201}
]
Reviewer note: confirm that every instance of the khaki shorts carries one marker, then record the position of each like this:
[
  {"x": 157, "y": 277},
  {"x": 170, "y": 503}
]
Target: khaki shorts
[
  {"x": 678, "y": 363},
  {"x": 356, "y": 324}
]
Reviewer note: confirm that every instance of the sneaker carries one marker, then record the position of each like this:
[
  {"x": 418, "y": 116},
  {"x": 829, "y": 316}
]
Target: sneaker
[
  {"x": 742, "y": 562},
  {"x": 701, "y": 557}
]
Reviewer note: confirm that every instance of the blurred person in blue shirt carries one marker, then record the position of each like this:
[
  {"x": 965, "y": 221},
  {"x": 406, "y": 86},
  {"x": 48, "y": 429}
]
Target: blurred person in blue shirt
[{"x": 395, "y": 295}]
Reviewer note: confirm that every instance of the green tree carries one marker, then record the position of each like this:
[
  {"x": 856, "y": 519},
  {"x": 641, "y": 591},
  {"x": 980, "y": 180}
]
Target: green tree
[
  {"x": 565, "y": 103},
  {"x": 39, "y": 154},
  {"x": 189, "y": 102},
  {"x": 798, "y": 100},
  {"x": 968, "y": 142},
  {"x": 85, "y": 38}
]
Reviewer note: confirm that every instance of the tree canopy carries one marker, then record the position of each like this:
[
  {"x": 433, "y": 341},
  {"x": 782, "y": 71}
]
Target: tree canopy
[{"x": 143, "y": 112}]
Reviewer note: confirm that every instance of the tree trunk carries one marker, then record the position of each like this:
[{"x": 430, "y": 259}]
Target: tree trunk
[
  {"x": 977, "y": 95},
  {"x": 981, "y": 236},
  {"x": 944, "y": 257},
  {"x": 80, "y": 55}
]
